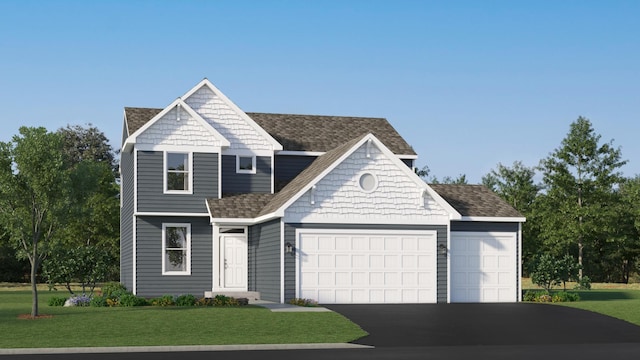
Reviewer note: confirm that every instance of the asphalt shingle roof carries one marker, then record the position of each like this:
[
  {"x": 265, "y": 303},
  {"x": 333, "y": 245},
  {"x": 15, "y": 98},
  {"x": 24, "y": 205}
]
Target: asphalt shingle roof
[
  {"x": 137, "y": 117},
  {"x": 238, "y": 206},
  {"x": 304, "y": 132},
  {"x": 323, "y": 133},
  {"x": 475, "y": 200}
]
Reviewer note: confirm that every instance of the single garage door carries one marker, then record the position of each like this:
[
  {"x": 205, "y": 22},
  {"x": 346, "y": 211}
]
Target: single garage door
[
  {"x": 484, "y": 267},
  {"x": 363, "y": 267}
]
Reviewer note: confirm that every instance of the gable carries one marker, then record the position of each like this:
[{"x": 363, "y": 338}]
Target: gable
[
  {"x": 178, "y": 126},
  {"x": 224, "y": 116},
  {"x": 338, "y": 197}
]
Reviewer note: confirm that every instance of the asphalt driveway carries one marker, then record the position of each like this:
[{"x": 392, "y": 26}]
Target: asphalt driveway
[{"x": 484, "y": 324}]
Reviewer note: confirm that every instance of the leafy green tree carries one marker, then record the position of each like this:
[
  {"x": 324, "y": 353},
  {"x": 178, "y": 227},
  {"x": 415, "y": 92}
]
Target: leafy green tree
[
  {"x": 424, "y": 172},
  {"x": 33, "y": 195},
  {"x": 579, "y": 179},
  {"x": 94, "y": 205},
  {"x": 87, "y": 265},
  {"x": 516, "y": 185},
  {"x": 545, "y": 271}
]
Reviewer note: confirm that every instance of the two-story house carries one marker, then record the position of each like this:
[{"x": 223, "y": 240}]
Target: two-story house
[{"x": 218, "y": 200}]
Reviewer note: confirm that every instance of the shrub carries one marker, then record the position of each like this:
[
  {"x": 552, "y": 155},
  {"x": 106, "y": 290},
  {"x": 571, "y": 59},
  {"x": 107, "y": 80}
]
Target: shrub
[
  {"x": 222, "y": 300},
  {"x": 204, "y": 302},
  {"x": 164, "y": 300},
  {"x": 303, "y": 302},
  {"x": 543, "y": 296},
  {"x": 186, "y": 300},
  {"x": 80, "y": 300},
  {"x": 98, "y": 301},
  {"x": 57, "y": 301},
  {"x": 563, "y": 296},
  {"x": 132, "y": 300},
  {"x": 584, "y": 283},
  {"x": 113, "y": 290}
]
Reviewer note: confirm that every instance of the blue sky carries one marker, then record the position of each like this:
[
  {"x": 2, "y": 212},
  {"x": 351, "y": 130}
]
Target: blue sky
[{"x": 469, "y": 84}]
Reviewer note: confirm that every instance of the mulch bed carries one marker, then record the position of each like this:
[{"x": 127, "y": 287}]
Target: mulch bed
[{"x": 29, "y": 317}]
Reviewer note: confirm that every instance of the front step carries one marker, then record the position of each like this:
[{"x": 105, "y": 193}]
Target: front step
[{"x": 251, "y": 295}]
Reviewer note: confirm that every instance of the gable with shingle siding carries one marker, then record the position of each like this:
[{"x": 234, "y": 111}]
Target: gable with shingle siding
[{"x": 227, "y": 121}]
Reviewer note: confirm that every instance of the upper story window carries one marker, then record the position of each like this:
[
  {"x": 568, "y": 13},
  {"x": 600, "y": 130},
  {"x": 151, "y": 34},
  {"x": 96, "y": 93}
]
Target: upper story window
[
  {"x": 177, "y": 173},
  {"x": 176, "y": 249},
  {"x": 245, "y": 164}
]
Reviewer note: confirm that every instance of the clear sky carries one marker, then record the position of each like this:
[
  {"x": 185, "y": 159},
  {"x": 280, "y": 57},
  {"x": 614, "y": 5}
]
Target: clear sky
[{"x": 469, "y": 84}]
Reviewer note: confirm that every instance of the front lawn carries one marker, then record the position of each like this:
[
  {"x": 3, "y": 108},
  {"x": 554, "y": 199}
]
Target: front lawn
[
  {"x": 621, "y": 301},
  {"x": 140, "y": 326}
]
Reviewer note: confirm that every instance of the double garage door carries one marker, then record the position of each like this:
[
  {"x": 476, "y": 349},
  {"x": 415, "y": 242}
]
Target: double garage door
[
  {"x": 367, "y": 266},
  {"x": 383, "y": 266}
]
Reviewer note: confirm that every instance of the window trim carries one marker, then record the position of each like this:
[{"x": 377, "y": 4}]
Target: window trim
[
  {"x": 164, "y": 248},
  {"x": 375, "y": 182},
  {"x": 189, "y": 172},
  {"x": 253, "y": 164}
]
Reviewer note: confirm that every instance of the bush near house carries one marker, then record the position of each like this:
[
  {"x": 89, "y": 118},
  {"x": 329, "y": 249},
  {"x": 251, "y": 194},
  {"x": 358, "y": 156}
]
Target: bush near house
[
  {"x": 116, "y": 295},
  {"x": 545, "y": 296}
]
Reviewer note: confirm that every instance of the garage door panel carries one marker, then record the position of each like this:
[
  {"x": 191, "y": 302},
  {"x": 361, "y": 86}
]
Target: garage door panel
[
  {"x": 484, "y": 267},
  {"x": 395, "y": 268}
]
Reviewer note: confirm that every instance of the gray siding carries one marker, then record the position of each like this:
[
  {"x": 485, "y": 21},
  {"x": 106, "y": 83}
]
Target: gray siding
[
  {"x": 483, "y": 226},
  {"x": 150, "y": 281},
  {"x": 260, "y": 182},
  {"x": 264, "y": 260},
  {"x": 290, "y": 265},
  {"x": 288, "y": 167},
  {"x": 126, "y": 220},
  {"x": 151, "y": 197},
  {"x": 408, "y": 162}
]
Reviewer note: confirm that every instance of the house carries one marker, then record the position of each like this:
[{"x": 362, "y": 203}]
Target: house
[{"x": 218, "y": 200}]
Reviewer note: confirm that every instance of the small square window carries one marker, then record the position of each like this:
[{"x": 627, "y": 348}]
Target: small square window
[{"x": 246, "y": 164}]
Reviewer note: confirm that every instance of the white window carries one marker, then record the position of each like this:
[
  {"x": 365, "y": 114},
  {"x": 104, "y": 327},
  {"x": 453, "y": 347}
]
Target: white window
[
  {"x": 245, "y": 164},
  {"x": 368, "y": 182},
  {"x": 177, "y": 174},
  {"x": 176, "y": 249}
]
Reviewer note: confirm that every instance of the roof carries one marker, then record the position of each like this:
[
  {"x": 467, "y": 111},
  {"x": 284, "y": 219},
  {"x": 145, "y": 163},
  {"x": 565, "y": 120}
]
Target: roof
[
  {"x": 238, "y": 206},
  {"x": 313, "y": 133},
  {"x": 323, "y": 133},
  {"x": 137, "y": 117},
  {"x": 475, "y": 200}
]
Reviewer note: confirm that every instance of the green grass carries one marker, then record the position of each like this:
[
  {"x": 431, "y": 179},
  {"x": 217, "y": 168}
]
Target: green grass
[
  {"x": 621, "y": 304},
  {"x": 142, "y": 326},
  {"x": 621, "y": 301}
]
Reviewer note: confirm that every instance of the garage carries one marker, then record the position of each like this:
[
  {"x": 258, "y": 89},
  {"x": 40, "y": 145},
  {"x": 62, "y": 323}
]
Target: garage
[
  {"x": 484, "y": 267},
  {"x": 367, "y": 266}
]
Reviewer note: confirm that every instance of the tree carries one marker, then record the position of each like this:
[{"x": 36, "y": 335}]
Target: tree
[
  {"x": 579, "y": 179},
  {"x": 424, "y": 172},
  {"x": 514, "y": 184},
  {"x": 87, "y": 143},
  {"x": 517, "y": 187},
  {"x": 33, "y": 195},
  {"x": 94, "y": 207}
]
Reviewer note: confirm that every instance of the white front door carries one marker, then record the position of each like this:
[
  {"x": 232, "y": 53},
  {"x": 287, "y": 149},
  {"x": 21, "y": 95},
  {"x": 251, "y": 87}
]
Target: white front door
[{"x": 233, "y": 261}]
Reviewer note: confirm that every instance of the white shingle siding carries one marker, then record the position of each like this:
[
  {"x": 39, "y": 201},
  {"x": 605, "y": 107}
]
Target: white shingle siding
[
  {"x": 169, "y": 131},
  {"x": 226, "y": 121},
  {"x": 338, "y": 195}
]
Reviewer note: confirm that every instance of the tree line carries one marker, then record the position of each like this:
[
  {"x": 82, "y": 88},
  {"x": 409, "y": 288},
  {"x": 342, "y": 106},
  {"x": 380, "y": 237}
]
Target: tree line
[{"x": 583, "y": 208}]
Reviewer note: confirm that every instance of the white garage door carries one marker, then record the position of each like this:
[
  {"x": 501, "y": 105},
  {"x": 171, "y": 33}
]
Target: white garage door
[
  {"x": 484, "y": 267},
  {"x": 341, "y": 266}
]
